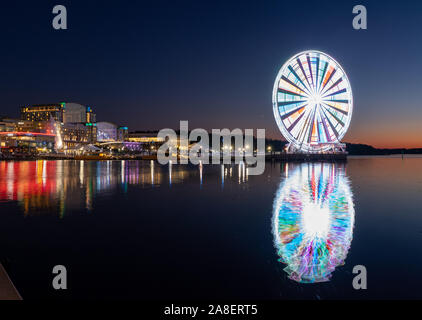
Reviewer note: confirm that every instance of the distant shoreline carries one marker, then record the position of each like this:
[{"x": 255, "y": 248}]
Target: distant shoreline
[
  {"x": 356, "y": 148},
  {"x": 149, "y": 158},
  {"x": 364, "y": 149},
  {"x": 277, "y": 146}
]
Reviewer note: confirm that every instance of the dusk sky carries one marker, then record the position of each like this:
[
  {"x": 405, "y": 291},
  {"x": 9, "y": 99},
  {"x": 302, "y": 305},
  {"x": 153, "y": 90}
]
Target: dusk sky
[{"x": 149, "y": 65}]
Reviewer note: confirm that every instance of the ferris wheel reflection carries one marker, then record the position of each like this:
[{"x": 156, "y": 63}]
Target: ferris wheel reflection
[{"x": 313, "y": 220}]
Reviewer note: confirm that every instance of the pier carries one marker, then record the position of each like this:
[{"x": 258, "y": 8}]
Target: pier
[{"x": 308, "y": 157}]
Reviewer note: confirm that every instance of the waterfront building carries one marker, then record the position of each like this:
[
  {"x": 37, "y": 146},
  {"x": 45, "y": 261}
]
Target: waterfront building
[
  {"x": 76, "y": 134},
  {"x": 92, "y": 131},
  {"x": 106, "y": 132},
  {"x": 79, "y": 125},
  {"x": 122, "y": 133},
  {"x": 77, "y": 113},
  {"x": 145, "y": 137},
  {"x": 109, "y": 132},
  {"x": 26, "y": 136},
  {"x": 144, "y": 141},
  {"x": 43, "y": 112},
  {"x": 34, "y": 126},
  {"x": 75, "y": 123},
  {"x": 26, "y": 142},
  {"x": 7, "y": 125}
]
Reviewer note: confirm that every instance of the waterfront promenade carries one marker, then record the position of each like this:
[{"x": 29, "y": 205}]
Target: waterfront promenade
[{"x": 275, "y": 156}]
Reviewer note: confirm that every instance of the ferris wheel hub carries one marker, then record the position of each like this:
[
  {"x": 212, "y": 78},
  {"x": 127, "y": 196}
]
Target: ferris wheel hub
[{"x": 315, "y": 99}]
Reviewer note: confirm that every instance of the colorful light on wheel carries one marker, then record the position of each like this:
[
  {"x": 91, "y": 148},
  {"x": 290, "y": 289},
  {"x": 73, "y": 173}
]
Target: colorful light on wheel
[{"x": 312, "y": 101}]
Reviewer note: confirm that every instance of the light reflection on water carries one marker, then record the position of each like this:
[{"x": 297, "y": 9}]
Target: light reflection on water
[
  {"x": 313, "y": 219},
  {"x": 61, "y": 186},
  {"x": 114, "y": 223}
]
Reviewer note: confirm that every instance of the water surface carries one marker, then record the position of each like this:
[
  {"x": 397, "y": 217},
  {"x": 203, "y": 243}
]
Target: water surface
[{"x": 136, "y": 229}]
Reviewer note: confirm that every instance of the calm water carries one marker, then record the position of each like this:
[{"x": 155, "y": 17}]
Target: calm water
[{"x": 136, "y": 229}]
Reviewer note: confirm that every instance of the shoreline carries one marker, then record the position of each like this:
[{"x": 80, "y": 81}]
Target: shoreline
[{"x": 274, "y": 157}]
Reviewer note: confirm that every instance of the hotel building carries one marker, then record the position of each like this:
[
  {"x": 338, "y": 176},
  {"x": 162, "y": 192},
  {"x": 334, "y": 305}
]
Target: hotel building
[
  {"x": 79, "y": 125},
  {"x": 26, "y": 136},
  {"x": 76, "y": 122},
  {"x": 43, "y": 112}
]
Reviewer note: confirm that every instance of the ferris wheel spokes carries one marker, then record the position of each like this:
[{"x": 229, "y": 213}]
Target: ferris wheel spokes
[{"x": 312, "y": 101}]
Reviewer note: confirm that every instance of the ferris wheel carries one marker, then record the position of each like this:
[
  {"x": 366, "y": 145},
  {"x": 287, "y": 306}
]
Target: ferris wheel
[{"x": 312, "y": 101}]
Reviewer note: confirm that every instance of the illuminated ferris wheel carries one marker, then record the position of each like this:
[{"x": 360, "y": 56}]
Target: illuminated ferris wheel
[{"x": 312, "y": 102}]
